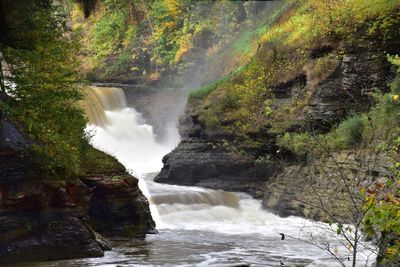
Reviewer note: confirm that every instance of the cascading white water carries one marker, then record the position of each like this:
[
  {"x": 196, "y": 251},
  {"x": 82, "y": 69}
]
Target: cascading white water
[{"x": 122, "y": 132}]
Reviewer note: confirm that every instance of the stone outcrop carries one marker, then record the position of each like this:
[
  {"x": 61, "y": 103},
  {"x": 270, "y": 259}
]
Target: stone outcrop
[
  {"x": 308, "y": 190},
  {"x": 118, "y": 207},
  {"x": 348, "y": 88},
  {"x": 49, "y": 219},
  {"x": 44, "y": 220},
  {"x": 62, "y": 237},
  {"x": 201, "y": 161}
]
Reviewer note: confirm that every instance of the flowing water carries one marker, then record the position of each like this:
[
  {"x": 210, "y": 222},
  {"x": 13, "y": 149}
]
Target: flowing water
[{"x": 197, "y": 226}]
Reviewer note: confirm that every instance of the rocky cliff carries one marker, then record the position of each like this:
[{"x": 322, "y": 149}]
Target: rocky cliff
[
  {"x": 49, "y": 219},
  {"x": 203, "y": 161},
  {"x": 225, "y": 161}
]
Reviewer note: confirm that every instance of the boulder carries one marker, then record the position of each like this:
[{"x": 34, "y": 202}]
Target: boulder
[
  {"x": 118, "y": 207},
  {"x": 44, "y": 220}
]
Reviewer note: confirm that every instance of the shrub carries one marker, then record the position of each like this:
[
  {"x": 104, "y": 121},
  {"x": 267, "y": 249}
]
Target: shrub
[
  {"x": 299, "y": 143},
  {"x": 349, "y": 133},
  {"x": 230, "y": 100},
  {"x": 121, "y": 65},
  {"x": 108, "y": 33}
]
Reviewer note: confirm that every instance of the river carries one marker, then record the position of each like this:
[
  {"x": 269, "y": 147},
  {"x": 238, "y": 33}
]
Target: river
[{"x": 197, "y": 226}]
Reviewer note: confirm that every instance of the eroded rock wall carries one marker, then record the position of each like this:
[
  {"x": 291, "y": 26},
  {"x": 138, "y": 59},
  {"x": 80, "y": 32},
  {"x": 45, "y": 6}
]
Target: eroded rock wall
[
  {"x": 204, "y": 160},
  {"x": 49, "y": 219},
  {"x": 118, "y": 207}
]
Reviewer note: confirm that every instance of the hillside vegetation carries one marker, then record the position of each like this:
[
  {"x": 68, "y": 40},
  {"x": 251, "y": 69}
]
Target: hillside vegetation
[
  {"x": 40, "y": 88},
  {"x": 244, "y": 101},
  {"x": 303, "y": 51},
  {"x": 134, "y": 39}
]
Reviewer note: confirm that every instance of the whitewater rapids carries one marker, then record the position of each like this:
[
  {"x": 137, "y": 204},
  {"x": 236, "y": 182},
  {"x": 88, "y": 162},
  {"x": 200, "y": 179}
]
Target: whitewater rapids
[{"x": 203, "y": 216}]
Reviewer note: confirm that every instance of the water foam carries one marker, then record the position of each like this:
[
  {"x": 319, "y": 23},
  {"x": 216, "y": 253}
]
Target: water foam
[{"x": 126, "y": 136}]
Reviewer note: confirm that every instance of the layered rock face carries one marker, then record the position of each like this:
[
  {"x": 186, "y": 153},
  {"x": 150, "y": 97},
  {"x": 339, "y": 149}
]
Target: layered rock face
[
  {"x": 42, "y": 219},
  {"x": 307, "y": 190},
  {"x": 348, "y": 88},
  {"x": 204, "y": 160},
  {"x": 118, "y": 207}
]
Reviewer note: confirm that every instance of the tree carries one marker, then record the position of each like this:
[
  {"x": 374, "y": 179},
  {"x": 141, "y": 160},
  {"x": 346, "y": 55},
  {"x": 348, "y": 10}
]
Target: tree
[
  {"x": 383, "y": 219},
  {"x": 44, "y": 84},
  {"x": 352, "y": 175}
]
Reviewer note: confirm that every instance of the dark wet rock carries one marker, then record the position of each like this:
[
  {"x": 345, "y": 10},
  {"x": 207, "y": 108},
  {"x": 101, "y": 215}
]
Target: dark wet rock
[
  {"x": 348, "y": 88},
  {"x": 59, "y": 238},
  {"x": 118, "y": 207},
  {"x": 202, "y": 161},
  {"x": 290, "y": 88},
  {"x": 44, "y": 219},
  {"x": 197, "y": 162}
]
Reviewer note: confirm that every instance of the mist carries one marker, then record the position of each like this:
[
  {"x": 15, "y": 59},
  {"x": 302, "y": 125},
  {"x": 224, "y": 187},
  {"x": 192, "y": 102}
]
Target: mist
[{"x": 215, "y": 55}]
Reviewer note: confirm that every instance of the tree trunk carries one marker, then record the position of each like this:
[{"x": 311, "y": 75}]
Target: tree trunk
[
  {"x": 355, "y": 247},
  {"x": 2, "y": 86}
]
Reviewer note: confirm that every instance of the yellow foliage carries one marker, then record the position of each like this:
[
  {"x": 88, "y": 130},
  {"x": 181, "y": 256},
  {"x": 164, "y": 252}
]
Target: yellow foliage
[
  {"x": 77, "y": 17},
  {"x": 316, "y": 19},
  {"x": 185, "y": 45},
  {"x": 391, "y": 251},
  {"x": 154, "y": 76},
  {"x": 173, "y": 7}
]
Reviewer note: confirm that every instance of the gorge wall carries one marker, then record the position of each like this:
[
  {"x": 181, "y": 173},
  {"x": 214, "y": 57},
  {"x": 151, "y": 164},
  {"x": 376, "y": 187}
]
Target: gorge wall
[
  {"x": 49, "y": 219},
  {"x": 225, "y": 161}
]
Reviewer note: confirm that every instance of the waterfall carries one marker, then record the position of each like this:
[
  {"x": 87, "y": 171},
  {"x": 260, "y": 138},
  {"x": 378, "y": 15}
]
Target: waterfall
[{"x": 121, "y": 131}]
